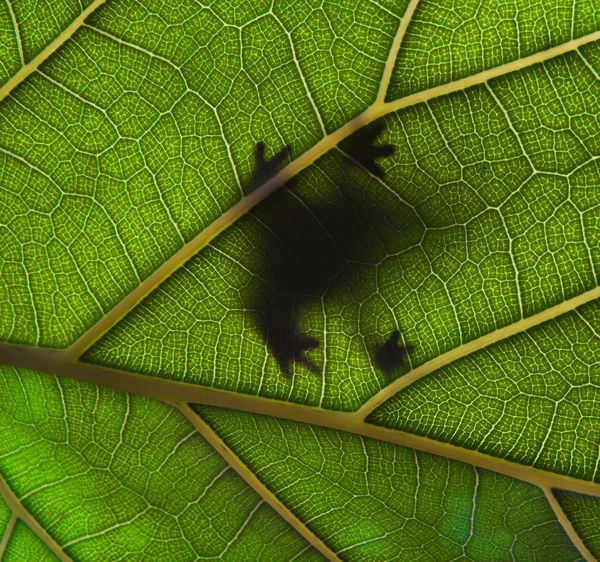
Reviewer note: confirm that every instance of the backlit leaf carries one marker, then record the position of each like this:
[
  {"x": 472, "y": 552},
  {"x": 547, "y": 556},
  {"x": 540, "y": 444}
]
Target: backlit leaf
[{"x": 299, "y": 280}]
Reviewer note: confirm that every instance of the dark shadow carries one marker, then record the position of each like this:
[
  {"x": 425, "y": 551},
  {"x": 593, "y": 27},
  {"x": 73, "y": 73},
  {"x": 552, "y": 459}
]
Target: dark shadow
[
  {"x": 361, "y": 147},
  {"x": 266, "y": 169},
  {"x": 309, "y": 252},
  {"x": 389, "y": 356},
  {"x": 305, "y": 255}
]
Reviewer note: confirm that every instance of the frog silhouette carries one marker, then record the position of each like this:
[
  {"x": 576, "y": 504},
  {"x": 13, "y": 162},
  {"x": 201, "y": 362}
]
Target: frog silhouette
[
  {"x": 305, "y": 256},
  {"x": 308, "y": 249}
]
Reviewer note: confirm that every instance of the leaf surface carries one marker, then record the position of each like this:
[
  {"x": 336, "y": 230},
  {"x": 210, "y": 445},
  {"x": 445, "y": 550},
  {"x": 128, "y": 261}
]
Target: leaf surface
[
  {"x": 295, "y": 280},
  {"x": 450, "y": 41},
  {"x": 27, "y": 28},
  {"x": 116, "y": 476},
  {"x": 584, "y": 511},
  {"x": 469, "y": 231},
  {"x": 376, "y": 501},
  {"x": 24, "y": 545}
]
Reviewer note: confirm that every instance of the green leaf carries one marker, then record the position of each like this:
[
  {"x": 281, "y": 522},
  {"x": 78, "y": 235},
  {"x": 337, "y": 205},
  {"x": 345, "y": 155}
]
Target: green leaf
[
  {"x": 5, "y": 514},
  {"x": 584, "y": 512},
  {"x": 376, "y": 501},
  {"x": 299, "y": 279},
  {"x": 28, "y": 28},
  {"x": 150, "y": 143},
  {"x": 532, "y": 398},
  {"x": 454, "y": 257},
  {"x": 24, "y": 545},
  {"x": 119, "y": 476},
  {"x": 452, "y": 40}
]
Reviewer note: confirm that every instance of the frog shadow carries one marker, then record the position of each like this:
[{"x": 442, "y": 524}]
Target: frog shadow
[{"x": 312, "y": 250}]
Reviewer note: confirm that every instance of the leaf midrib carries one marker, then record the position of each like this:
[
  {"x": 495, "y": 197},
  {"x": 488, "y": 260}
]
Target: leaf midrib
[{"x": 179, "y": 394}]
